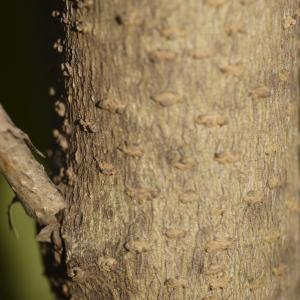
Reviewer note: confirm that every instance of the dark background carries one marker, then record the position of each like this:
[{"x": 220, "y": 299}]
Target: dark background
[{"x": 25, "y": 64}]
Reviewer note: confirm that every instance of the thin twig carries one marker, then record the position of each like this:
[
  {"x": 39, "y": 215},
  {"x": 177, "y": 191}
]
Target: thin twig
[{"x": 11, "y": 222}]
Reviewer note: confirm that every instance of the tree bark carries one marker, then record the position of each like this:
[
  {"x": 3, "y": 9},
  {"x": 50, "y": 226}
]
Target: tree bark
[{"x": 180, "y": 132}]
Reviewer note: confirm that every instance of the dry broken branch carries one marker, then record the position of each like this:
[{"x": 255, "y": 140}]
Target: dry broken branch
[{"x": 39, "y": 196}]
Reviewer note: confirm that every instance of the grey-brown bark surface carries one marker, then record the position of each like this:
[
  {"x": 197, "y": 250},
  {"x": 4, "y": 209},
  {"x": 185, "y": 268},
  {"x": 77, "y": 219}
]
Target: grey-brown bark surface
[{"x": 180, "y": 135}]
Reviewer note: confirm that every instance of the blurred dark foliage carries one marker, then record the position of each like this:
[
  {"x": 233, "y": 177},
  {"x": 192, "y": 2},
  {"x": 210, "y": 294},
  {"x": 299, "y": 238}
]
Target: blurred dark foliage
[{"x": 25, "y": 59}]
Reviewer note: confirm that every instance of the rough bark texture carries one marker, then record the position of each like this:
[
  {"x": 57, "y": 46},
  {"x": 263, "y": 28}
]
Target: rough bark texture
[{"x": 181, "y": 164}]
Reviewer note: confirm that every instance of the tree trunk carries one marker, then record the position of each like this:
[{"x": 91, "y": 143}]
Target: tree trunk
[{"x": 180, "y": 136}]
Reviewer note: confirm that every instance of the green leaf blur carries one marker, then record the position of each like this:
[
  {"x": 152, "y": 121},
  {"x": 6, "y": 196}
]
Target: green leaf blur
[{"x": 23, "y": 92}]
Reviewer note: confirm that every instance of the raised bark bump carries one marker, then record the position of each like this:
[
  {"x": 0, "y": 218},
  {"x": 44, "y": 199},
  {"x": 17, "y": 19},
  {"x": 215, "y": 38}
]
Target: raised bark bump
[
  {"x": 172, "y": 32},
  {"x": 175, "y": 233},
  {"x": 255, "y": 197},
  {"x": 219, "y": 283},
  {"x": 108, "y": 264},
  {"x": 138, "y": 246},
  {"x": 211, "y": 120},
  {"x": 188, "y": 196},
  {"x": 167, "y": 99},
  {"x": 280, "y": 270},
  {"x": 184, "y": 163},
  {"x": 215, "y": 269},
  {"x": 227, "y": 157},
  {"x": 107, "y": 168},
  {"x": 111, "y": 105},
  {"x": 129, "y": 19},
  {"x": 284, "y": 75},
  {"x": 60, "y": 108},
  {"x": 162, "y": 55},
  {"x": 88, "y": 126},
  {"x": 236, "y": 70},
  {"x": 58, "y": 46},
  {"x": 233, "y": 29},
  {"x": 134, "y": 150},
  {"x": 260, "y": 92},
  {"x": 141, "y": 194},
  {"x": 288, "y": 22},
  {"x": 293, "y": 205},
  {"x": 60, "y": 139},
  {"x": 175, "y": 283},
  {"x": 272, "y": 236},
  {"x": 202, "y": 53},
  {"x": 218, "y": 245}
]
